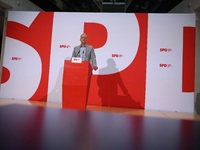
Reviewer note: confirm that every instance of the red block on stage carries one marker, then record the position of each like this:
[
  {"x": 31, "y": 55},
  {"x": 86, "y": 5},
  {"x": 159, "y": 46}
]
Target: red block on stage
[{"x": 76, "y": 83}]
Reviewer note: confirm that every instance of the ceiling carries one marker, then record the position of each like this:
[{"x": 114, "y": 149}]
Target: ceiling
[{"x": 135, "y": 6}]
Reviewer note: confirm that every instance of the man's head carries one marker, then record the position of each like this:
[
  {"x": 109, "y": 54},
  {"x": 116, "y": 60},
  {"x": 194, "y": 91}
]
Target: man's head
[{"x": 83, "y": 38}]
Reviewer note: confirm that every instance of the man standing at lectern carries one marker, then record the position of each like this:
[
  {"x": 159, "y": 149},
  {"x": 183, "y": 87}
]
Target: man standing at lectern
[{"x": 86, "y": 52}]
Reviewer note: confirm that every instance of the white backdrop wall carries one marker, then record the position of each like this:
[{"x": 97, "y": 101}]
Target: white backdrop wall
[
  {"x": 193, "y": 6},
  {"x": 140, "y": 57},
  {"x": 165, "y": 84}
]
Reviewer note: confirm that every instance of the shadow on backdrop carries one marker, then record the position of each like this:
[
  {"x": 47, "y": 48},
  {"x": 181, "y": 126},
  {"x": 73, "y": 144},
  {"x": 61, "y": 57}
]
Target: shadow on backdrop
[
  {"x": 112, "y": 90},
  {"x": 56, "y": 93}
]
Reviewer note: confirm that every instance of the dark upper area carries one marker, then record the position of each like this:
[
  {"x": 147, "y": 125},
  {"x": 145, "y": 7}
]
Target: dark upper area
[{"x": 134, "y": 6}]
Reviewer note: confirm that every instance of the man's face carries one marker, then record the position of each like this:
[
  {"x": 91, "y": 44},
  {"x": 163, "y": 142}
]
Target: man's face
[{"x": 83, "y": 39}]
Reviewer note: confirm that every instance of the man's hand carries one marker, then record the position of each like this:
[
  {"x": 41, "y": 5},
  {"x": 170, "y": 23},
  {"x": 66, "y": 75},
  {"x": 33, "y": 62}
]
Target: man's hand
[{"x": 95, "y": 67}]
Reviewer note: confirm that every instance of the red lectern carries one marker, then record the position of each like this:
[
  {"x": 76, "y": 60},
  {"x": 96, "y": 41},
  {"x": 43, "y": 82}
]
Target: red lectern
[{"x": 76, "y": 83}]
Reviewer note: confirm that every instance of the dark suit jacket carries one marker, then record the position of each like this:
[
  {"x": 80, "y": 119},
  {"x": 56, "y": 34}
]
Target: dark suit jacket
[{"x": 89, "y": 54}]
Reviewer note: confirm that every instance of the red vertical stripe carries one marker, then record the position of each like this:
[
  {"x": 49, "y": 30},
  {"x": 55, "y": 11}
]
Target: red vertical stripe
[{"x": 188, "y": 59}]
